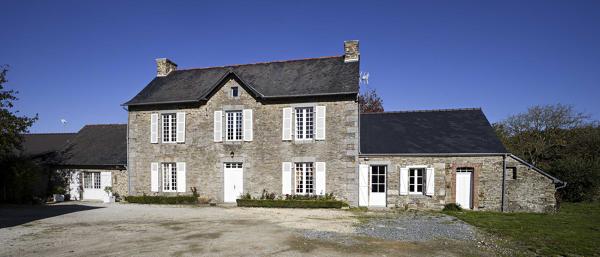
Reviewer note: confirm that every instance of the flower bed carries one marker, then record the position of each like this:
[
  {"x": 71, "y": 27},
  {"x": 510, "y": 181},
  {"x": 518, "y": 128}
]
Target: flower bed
[
  {"x": 154, "y": 199},
  {"x": 269, "y": 203}
]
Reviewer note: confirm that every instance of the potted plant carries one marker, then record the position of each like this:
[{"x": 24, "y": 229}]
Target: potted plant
[
  {"x": 58, "y": 194},
  {"x": 108, "y": 197}
]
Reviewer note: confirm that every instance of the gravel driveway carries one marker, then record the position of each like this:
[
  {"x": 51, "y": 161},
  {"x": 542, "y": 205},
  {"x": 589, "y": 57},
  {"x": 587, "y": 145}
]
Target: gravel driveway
[{"x": 75, "y": 229}]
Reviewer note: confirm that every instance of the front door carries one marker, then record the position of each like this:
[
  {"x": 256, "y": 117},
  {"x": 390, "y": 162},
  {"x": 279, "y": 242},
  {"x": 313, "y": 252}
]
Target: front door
[
  {"x": 463, "y": 187},
  {"x": 233, "y": 181},
  {"x": 377, "y": 196}
]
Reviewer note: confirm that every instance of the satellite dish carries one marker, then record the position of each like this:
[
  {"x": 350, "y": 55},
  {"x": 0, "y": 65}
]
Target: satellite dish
[{"x": 364, "y": 78}]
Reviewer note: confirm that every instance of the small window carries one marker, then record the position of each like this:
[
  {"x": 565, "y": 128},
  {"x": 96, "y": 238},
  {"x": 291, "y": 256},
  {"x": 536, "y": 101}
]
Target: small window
[
  {"x": 378, "y": 178},
  {"x": 91, "y": 180},
  {"x": 416, "y": 180},
  {"x": 512, "y": 171},
  {"x": 169, "y": 128},
  {"x": 169, "y": 177},
  {"x": 235, "y": 92},
  {"x": 304, "y": 177}
]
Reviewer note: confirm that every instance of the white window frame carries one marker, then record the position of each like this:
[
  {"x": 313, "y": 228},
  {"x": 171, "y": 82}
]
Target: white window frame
[
  {"x": 379, "y": 176},
  {"x": 303, "y": 123},
  {"x": 91, "y": 180},
  {"x": 412, "y": 179},
  {"x": 235, "y": 126},
  {"x": 169, "y": 127},
  {"x": 304, "y": 172},
  {"x": 169, "y": 176}
]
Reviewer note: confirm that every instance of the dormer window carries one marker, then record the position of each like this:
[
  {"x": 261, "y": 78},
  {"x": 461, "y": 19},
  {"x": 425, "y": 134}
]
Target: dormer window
[{"x": 235, "y": 92}]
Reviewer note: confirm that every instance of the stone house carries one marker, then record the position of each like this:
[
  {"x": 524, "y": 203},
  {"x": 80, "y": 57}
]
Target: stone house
[{"x": 293, "y": 127}]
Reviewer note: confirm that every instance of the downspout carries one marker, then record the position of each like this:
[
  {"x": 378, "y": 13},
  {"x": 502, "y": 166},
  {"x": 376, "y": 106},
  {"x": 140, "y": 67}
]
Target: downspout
[{"x": 503, "y": 199}]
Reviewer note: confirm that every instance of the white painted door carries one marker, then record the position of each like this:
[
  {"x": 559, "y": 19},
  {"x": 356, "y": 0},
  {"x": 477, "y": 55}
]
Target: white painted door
[
  {"x": 463, "y": 189},
  {"x": 377, "y": 196},
  {"x": 233, "y": 181}
]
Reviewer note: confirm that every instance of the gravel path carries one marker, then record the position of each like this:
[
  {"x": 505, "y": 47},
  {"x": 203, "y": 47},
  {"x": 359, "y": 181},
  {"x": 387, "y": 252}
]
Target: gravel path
[{"x": 417, "y": 226}]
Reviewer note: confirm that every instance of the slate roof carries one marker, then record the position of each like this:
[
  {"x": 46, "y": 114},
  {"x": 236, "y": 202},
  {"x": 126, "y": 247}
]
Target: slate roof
[
  {"x": 459, "y": 131},
  {"x": 307, "y": 77},
  {"x": 44, "y": 143},
  {"x": 97, "y": 145}
]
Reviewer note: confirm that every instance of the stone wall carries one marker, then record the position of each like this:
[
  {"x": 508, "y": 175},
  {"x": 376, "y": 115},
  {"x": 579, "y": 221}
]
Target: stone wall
[
  {"x": 262, "y": 158},
  {"x": 530, "y": 192}
]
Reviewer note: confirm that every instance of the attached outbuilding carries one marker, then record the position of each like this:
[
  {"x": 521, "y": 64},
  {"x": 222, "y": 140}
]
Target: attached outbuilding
[
  {"x": 426, "y": 159},
  {"x": 96, "y": 160}
]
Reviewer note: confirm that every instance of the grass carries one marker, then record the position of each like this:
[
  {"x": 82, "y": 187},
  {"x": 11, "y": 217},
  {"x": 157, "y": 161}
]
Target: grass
[{"x": 575, "y": 230}]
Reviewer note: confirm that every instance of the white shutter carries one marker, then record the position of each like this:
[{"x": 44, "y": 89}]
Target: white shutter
[
  {"x": 287, "y": 124},
  {"x": 154, "y": 128},
  {"x": 105, "y": 179},
  {"x": 181, "y": 177},
  {"x": 320, "y": 180},
  {"x": 218, "y": 129},
  {"x": 403, "y": 181},
  {"x": 320, "y": 122},
  {"x": 180, "y": 127},
  {"x": 430, "y": 180},
  {"x": 363, "y": 185},
  {"x": 286, "y": 178},
  {"x": 154, "y": 177},
  {"x": 247, "y": 115}
]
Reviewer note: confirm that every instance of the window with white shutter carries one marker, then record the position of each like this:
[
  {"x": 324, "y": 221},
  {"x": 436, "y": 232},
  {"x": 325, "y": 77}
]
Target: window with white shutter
[
  {"x": 218, "y": 126},
  {"x": 430, "y": 181},
  {"x": 403, "y": 181},
  {"x": 154, "y": 177},
  {"x": 305, "y": 123},
  {"x": 363, "y": 185},
  {"x": 248, "y": 131},
  {"x": 304, "y": 178},
  {"x": 320, "y": 178},
  {"x": 320, "y": 123},
  {"x": 169, "y": 128},
  {"x": 286, "y": 178},
  {"x": 154, "y": 128},
  {"x": 181, "y": 186},
  {"x": 169, "y": 177},
  {"x": 233, "y": 121},
  {"x": 287, "y": 124},
  {"x": 180, "y": 127}
]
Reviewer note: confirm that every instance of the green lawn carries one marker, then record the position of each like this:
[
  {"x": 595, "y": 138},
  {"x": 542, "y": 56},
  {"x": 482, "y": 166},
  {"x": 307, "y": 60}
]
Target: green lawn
[{"x": 575, "y": 230}]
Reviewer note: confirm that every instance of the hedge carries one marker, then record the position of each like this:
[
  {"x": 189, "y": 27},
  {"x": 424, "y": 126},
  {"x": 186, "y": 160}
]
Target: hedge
[
  {"x": 151, "y": 199},
  {"x": 290, "y": 203}
]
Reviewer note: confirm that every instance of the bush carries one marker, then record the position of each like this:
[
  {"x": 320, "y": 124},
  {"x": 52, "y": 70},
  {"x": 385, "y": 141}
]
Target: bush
[
  {"x": 291, "y": 203},
  {"x": 452, "y": 207},
  {"x": 147, "y": 199},
  {"x": 326, "y": 197}
]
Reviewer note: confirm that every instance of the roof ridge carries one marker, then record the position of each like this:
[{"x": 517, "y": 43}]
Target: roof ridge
[
  {"x": 430, "y": 110},
  {"x": 107, "y": 124},
  {"x": 259, "y": 63}
]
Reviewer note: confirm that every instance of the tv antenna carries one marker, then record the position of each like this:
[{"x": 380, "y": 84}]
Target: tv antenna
[{"x": 364, "y": 78}]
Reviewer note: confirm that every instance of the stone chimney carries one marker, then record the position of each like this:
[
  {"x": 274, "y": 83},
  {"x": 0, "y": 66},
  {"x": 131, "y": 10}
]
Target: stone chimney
[
  {"x": 164, "y": 66},
  {"x": 351, "y": 53}
]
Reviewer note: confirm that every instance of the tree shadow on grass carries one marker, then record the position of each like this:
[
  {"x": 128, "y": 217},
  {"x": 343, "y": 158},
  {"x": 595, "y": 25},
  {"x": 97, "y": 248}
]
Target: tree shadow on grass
[{"x": 14, "y": 215}]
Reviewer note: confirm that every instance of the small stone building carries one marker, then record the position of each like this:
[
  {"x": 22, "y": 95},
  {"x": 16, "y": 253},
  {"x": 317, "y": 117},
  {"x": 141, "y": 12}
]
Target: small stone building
[
  {"x": 96, "y": 158},
  {"x": 426, "y": 159}
]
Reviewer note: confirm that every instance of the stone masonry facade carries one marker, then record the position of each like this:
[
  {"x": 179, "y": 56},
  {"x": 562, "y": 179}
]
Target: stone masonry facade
[
  {"x": 262, "y": 157},
  {"x": 530, "y": 191}
]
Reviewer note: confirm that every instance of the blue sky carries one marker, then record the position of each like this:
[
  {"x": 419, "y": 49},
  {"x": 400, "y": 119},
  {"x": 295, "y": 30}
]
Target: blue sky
[{"x": 80, "y": 60}]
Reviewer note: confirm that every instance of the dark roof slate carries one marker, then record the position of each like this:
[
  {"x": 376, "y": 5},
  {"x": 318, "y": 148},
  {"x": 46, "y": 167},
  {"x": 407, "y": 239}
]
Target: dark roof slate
[
  {"x": 459, "y": 131},
  {"x": 97, "y": 145},
  {"x": 44, "y": 143},
  {"x": 307, "y": 77}
]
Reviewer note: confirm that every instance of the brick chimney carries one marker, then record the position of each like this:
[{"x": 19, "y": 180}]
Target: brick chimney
[
  {"x": 164, "y": 66},
  {"x": 351, "y": 53}
]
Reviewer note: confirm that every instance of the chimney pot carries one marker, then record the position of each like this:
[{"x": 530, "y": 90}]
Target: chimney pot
[
  {"x": 351, "y": 53},
  {"x": 164, "y": 66}
]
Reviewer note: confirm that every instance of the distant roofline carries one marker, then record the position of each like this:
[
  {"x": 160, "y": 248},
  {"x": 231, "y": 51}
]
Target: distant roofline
[
  {"x": 52, "y": 133},
  {"x": 431, "y": 110},
  {"x": 259, "y": 63}
]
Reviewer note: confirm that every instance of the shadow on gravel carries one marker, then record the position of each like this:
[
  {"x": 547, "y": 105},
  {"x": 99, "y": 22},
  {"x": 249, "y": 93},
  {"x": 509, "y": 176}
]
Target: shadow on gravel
[{"x": 14, "y": 215}]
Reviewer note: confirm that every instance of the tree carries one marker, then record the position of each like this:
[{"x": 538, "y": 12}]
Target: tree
[
  {"x": 12, "y": 126},
  {"x": 541, "y": 132},
  {"x": 560, "y": 140},
  {"x": 369, "y": 101}
]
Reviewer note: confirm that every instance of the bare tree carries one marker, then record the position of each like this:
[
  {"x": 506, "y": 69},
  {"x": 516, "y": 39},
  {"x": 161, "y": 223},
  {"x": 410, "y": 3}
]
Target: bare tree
[{"x": 369, "y": 101}]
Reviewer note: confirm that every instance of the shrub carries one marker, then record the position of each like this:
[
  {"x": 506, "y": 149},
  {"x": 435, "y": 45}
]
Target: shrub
[
  {"x": 246, "y": 196},
  {"x": 290, "y": 203},
  {"x": 452, "y": 207},
  {"x": 267, "y": 196},
  {"x": 326, "y": 197},
  {"x": 147, "y": 199}
]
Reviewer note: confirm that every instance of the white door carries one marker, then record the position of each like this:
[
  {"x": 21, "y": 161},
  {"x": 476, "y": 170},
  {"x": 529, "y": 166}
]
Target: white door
[
  {"x": 463, "y": 188},
  {"x": 233, "y": 181},
  {"x": 377, "y": 196}
]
